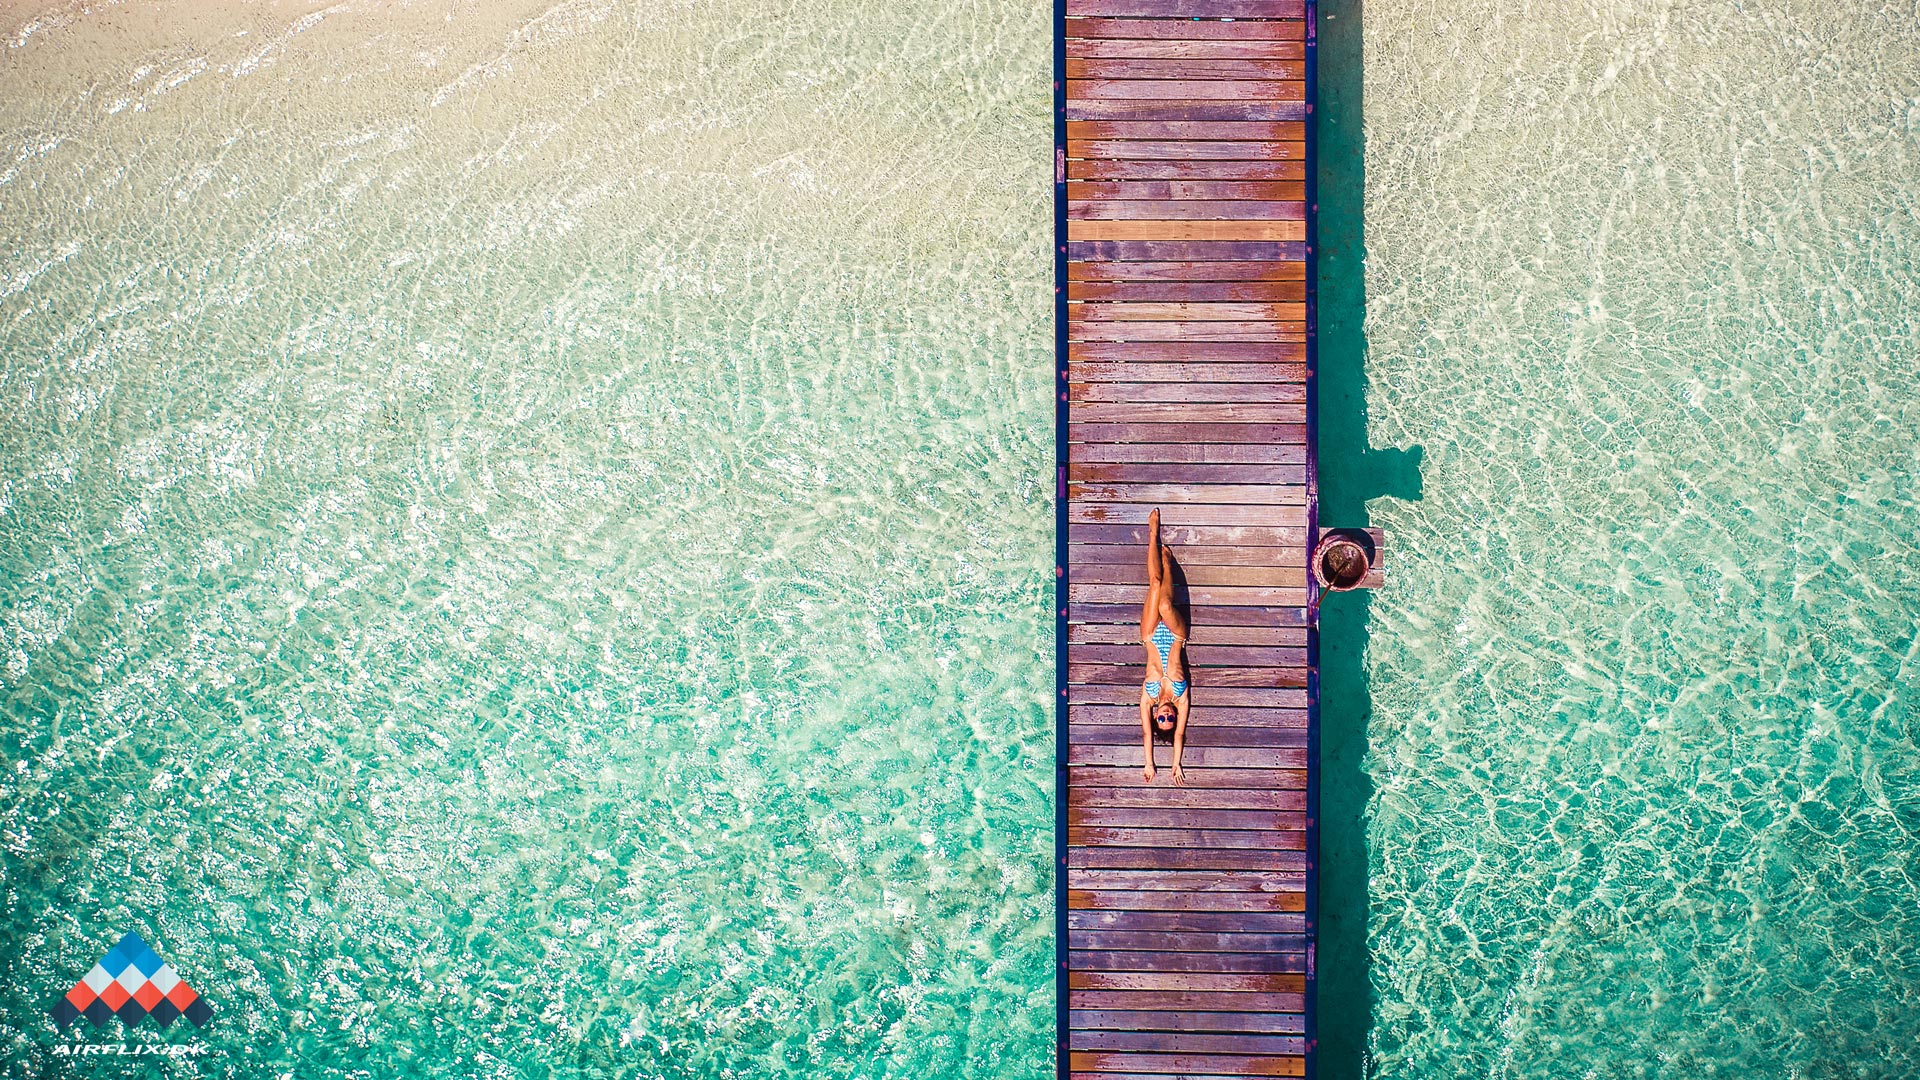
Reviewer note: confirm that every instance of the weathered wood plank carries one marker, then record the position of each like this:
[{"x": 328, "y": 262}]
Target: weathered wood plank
[
  {"x": 1253, "y": 270},
  {"x": 1236, "y": 757},
  {"x": 1193, "y": 434},
  {"x": 1231, "y": 473},
  {"x": 1174, "y": 49},
  {"x": 1199, "y": 1001},
  {"x": 1084, "y": 28},
  {"x": 1268, "y": 982},
  {"x": 1149, "y": 1020},
  {"x": 1245, "y": 393},
  {"x": 1184, "y": 150},
  {"x": 1170, "y": 495},
  {"x": 1189, "y": 312},
  {"x": 1185, "y": 67},
  {"x": 1184, "y": 1042},
  {"x": 1188, "y": 881},
  {"x": 1186, "y": 291},
  {"x": 1185, "y": 817},
  {"x": 1257, "y": 922},
  {"x": 1185, "y": 250},
  {"x": 1213, "y": 595},
  {"x": 1184, "y": 941},
  {"x": 1146, "y": 796},
  {"x": 1279, "y": 615},
  {"x": 1092, "y": 1063},
  {"x": 1239, "y": 717},
  {"x": 1208, "y": 734},
  {"x": 1204, "y": 453},
  {"x": 1282, "y": 574},
  {"x": 1260, "y": 779},
  {"x": 1190, "y": 110},
  {"x": 1117, "y": 169},
  {"x": 1095, "y": 330},
  {"x": 1251, "y": 963},
  {"x": 1116, "y": 960},
  {"x": 1188, "y": 9},
  {"x": 1186, "y": 230},
  {"x": 1164, "y": 209},
  {"x": 1287, "y": 131}
]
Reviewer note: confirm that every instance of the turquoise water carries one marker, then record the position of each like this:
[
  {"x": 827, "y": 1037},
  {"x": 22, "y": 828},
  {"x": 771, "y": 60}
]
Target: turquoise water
[
  {"x": 525, "y": 535},
  {"x": 1641, "y": 283}
]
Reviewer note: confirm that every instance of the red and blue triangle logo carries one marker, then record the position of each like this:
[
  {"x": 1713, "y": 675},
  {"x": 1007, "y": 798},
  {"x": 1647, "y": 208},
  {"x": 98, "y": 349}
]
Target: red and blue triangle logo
[{"x": 132, "y": 983}]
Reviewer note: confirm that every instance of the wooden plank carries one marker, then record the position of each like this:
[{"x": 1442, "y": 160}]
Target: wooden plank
[
  {"x": 1188, "y": 9},
  {"x": 1187, "y": 109},
  {"x": 1126, "y": 381},
  {"x": 1114, "y": 170},
  {"x": 1288, "y": 131},
  {"x": 1173, "y": 838},
  {"x": 1185, "y": 941},
  {"x": 1185, "y": 90},
  {"x": 1188, "y": 881},
  {"x": 1234, "y": 392},
  {"x": 1116, "y": 960},
  {"x": 1206, "y": 732},
  {"x": 1184, "y": 817},
  {"x": 1080, "y": 27},
  {"x": 1268, "y": 922},
  {"x": 1241, "y": 982},
  {"x": 1274, "y": 270},
  {"x": 1094, "y": 330},
  {"x": 1173, "y": 49},
  {"x": 1275, "y": 573},
  {"x": 1121, "y": 694},
  {"x": 1211, "y": 731},
  {"x": 1189, "y": 291},
  {"x": 1184, "y": 150},
  {"x": 1278, "y": 615},
  {"x": 1191, "y": 251},
  {"x": 1148, "y": 1020},
  {"x": 1104, "y": 1063},
  {"x": 1260, "y": 779},
  {"x": 1169, "y": 496},
  {"x": 1238, "y": 718},
  {"x": 1182, "y": 1042},
  {"x": 1251, "y": 963},
  {"x": 1186, "y": 230},
  {"x": 1147, "y": 471},
  {"x": 1202, "y": 1000},
  {"x": 1185, "y": 67},
  {"x": 1141, "y": 795},
  {"x": 1161, "y": 210},
  {"x": 1189, "y": 312},
  {"x": 1171, "y": 453},
  {"x": 1236, "y": 757}
]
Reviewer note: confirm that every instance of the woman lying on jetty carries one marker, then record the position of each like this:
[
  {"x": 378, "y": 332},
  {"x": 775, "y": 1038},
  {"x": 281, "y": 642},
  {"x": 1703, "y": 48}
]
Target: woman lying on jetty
[{"x": 1163, "y": 696}]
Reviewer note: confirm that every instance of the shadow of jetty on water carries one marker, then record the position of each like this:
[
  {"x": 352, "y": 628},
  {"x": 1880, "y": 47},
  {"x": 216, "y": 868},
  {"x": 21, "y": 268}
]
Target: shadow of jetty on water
[{"x": 1350, "y": 474}]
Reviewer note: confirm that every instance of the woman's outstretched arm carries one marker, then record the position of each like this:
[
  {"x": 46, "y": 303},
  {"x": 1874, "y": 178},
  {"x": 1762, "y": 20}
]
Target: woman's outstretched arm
[
  {"x": 1146, "y": 734},
  {"x": 1179, "y": 736}
]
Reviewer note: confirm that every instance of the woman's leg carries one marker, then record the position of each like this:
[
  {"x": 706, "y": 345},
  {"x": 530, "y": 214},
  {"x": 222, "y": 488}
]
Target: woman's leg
[
  {"x": 1150, "y": 608},
  {"x": 1167, "y": 612}
]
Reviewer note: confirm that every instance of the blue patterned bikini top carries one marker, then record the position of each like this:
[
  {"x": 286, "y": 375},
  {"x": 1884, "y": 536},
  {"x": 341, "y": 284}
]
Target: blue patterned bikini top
[{"x": 1163, "y": 640}]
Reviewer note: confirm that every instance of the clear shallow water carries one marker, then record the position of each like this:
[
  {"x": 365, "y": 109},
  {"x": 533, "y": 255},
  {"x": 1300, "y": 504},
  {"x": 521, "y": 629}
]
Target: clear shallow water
[
  {"x": 524, "y": 535},
  {"x": 1641, "y": 280}
]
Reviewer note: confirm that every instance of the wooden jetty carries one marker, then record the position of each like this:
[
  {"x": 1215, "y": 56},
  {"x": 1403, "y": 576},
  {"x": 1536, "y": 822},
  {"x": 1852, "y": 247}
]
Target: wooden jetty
[{"x": 1184, "y": 228}]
